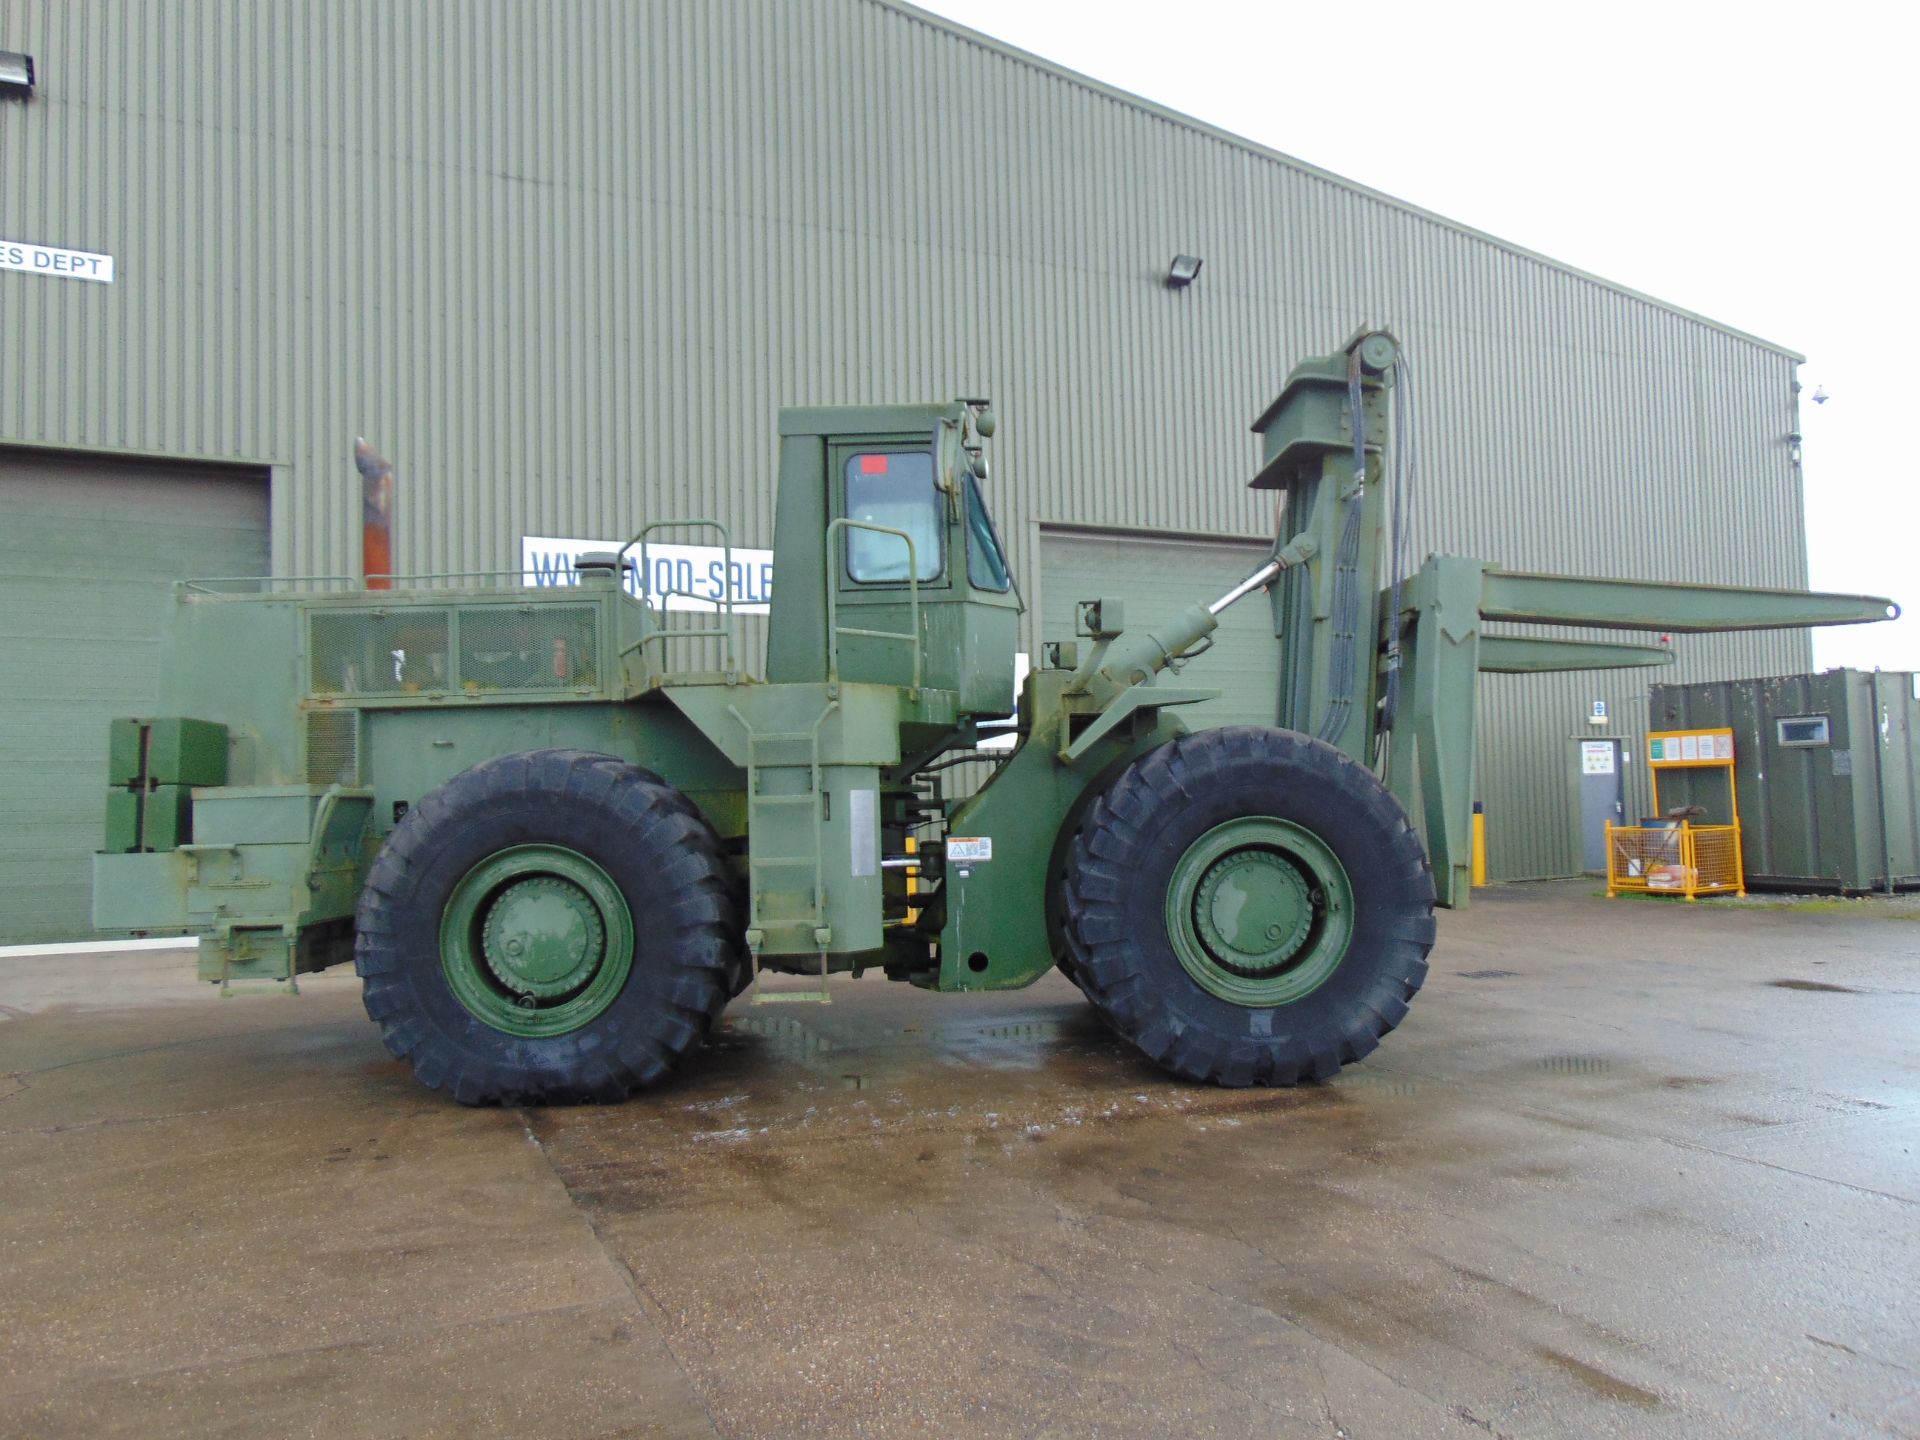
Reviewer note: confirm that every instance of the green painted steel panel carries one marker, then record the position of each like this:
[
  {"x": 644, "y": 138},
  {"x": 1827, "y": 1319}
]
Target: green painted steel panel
[
  {"x": 166, "y": 817},
  {"x": 88, "y": 548},
  {"x": 123, "y": 751},
  {"x": 123, "y": 821},
  {"x": 184, "y": 751},
  {"x": 1157, "y": 578}
]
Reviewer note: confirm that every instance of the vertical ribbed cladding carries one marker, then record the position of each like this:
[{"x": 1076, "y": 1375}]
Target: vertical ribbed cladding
[{"x": 563, "y": 264}]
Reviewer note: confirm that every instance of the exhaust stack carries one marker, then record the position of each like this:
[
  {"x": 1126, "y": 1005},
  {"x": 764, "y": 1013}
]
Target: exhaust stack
[{"x": 376, "y": 515}]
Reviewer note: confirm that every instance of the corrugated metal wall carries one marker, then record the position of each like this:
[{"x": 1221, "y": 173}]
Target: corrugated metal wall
[{"x": 564, "y": 262}]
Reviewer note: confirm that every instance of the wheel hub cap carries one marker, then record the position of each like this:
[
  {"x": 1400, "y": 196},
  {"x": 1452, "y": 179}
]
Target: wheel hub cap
[
  {"x": 536, "y": 940},
  {"x": 1259, "y": 911},
  {"x": 543, "y": 936},
  {"x": 1252, "y": 911}
]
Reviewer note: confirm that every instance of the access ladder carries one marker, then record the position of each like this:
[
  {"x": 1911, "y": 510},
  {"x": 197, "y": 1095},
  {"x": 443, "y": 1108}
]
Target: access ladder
[{"x": 787, "y": 895}]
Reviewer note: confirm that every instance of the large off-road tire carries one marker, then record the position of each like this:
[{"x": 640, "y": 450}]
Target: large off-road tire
[
  {"x": 553, "y": 926},
  {"x": 1248, "y": 907}
]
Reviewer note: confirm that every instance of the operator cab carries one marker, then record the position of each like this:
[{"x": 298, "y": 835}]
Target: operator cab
[{"x": 889, "y": 566}]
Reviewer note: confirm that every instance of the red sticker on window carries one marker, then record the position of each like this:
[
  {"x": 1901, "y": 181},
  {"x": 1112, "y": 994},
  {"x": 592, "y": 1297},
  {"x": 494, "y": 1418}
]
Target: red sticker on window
[{"x": 873, "y": 464}]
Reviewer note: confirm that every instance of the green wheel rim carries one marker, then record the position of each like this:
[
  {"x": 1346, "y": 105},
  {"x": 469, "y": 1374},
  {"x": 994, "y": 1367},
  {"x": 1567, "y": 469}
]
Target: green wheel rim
[
  {"x": 1260, "y": 911},
  {"x": 536, "y": 941}
]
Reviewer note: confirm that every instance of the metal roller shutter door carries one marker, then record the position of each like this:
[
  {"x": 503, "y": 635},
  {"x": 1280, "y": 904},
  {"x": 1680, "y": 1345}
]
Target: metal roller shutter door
[
  {"x": 1157, "y": 577},
  {"x": 88, "y": 548}
]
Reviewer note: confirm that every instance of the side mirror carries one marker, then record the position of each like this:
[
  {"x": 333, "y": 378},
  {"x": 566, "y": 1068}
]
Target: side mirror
[{"x": 1100, "y": 619}]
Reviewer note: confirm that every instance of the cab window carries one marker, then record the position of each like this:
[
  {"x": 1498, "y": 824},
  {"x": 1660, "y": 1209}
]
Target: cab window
[
  {"x": 986, "y": 561},
  {"x": 894, "y": 489}
]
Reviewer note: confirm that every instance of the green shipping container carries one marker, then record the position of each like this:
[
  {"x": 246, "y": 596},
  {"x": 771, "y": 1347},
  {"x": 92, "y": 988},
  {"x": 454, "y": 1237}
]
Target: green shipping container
[{"x": 1828, "y": 774}]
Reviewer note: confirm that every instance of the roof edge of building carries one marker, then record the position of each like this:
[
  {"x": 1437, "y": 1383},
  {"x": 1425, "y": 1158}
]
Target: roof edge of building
[{"x": 1113, "y": 92}]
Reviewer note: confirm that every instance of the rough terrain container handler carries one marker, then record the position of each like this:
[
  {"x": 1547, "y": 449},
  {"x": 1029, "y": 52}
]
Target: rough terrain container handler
[{"x": 554, "y": 859}]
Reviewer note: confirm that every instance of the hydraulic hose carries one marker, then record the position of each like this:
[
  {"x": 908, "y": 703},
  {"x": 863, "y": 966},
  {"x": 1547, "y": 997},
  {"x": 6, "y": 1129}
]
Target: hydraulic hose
[{"x": 1346, "y": 573}]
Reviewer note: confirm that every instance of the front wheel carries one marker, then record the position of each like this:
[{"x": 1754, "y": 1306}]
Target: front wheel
[
  {"x": 548, "y": 926},
  {"x": 1248, "y": 906}
]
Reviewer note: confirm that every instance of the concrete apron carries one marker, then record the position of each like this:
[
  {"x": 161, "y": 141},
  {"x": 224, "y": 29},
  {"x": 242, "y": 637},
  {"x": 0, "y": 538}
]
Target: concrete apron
[{"x": 1631, "y": 1168}]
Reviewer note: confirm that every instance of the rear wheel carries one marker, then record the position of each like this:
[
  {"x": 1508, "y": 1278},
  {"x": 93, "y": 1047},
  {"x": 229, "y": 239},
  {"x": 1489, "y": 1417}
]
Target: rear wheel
[
  {"x": 549, "y": 926},
  {"x": 1248, "y": 906}
]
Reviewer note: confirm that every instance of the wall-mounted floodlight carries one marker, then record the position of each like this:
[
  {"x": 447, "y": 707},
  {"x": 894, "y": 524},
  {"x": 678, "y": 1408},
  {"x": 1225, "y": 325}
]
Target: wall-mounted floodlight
[
  {"x": 16, "y": 74},
  {"x": 1183, "y": 271}
]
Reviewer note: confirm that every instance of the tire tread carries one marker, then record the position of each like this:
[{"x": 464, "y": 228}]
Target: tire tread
[
  {"x": 1108, "y": 951},
  {"x": 628, "y": 808}
]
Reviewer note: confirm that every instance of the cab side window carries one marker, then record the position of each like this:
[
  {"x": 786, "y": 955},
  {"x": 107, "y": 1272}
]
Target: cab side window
[
  {"x": 894, "y": 489},
  {"x": 986, "y": 561}
]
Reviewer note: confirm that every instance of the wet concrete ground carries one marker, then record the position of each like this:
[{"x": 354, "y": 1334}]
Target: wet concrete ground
[{"x": 1631, "y": 1168}]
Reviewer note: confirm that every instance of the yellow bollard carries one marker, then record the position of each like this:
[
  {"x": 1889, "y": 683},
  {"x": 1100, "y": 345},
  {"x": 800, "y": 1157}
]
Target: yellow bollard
[
  {"x": 1479, "y": 843},
  {"x": 913, "y": 876}
]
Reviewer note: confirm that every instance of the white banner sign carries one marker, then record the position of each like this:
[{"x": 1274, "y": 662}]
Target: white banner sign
[
  {"x": 690, "y": 577},
  {"x": 46, "y": 260},
  {"x": 1596, "y": 757}
]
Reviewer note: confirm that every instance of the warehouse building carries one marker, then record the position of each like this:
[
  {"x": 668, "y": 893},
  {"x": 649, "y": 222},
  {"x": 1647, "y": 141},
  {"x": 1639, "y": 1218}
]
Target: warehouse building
[{"x": 562, "y": 264}]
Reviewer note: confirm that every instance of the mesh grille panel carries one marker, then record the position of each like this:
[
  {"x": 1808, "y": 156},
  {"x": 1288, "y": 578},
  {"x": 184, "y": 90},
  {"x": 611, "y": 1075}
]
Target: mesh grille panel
[
  {"x": 475, "y": 648},
  {"x": 1690, "y": 860},
  {"x": 372, "y": 652},
  {"x": 529, "y": 647},
  {"x": 333, "y": 747},
  {"x": 1716, "y": 855}
]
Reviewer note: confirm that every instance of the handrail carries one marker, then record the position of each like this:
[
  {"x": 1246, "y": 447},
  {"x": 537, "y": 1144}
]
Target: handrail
[
  {"x": 271, "y": 585},
  {"x": 835, "y": 630},
  {"x": 728, "y": 630}
]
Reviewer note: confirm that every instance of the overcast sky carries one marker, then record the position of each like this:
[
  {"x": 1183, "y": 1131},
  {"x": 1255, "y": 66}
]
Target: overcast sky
[{"x": 1752, "y": 162}]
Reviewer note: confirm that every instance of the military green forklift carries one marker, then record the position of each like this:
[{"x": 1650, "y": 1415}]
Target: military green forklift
[{"x": 553, "y": 859}]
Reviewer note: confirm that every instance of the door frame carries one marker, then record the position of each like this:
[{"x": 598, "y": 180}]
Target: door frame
[{"x": 1578, "y": 791}]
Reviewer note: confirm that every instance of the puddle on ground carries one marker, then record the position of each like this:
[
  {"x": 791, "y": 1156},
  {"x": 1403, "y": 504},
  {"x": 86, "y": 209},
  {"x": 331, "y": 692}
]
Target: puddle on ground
[
  {"x": 1819, "y": 985},
  {"x": 1575, "y": 1064},
  {"x": 1488, "y": 974},
  {"x": 1025, "y": 1030},
  {"x": 791, "y": 1035},
  {"x": 1598, "y": 1381},
  {"x": 1373, "y": 1082}
]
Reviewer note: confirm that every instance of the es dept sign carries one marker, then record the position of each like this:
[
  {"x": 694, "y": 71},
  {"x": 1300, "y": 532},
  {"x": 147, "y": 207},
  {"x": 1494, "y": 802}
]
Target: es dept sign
[{"x": 49, "y": 260}]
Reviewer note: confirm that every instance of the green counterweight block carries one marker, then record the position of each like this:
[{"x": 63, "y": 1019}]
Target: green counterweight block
[
  {"x": 171, "y": 750},
  {"x": 160, "y": 818},
  {"x": 166, "y": 820},
  {"x": 123, "y": 757},
  {"x": 152, "y": 766},
  {"x": 186, "y": 752},
  {"x": 123, "y": 821}
]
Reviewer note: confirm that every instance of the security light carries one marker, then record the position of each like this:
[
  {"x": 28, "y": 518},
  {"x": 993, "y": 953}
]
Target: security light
[
  {"x": 1183, "y": 271},
  {"x": 16, "y": 74}
]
